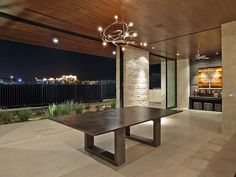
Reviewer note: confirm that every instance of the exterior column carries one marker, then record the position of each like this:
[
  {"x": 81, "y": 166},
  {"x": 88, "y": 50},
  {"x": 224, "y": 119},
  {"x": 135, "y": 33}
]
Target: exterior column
[
  {"x": 118, "y": 77},
  {"x": 229, "y": 81},
  {"x": 136, "y": 76},
  {"x": 183, "y": 83}
]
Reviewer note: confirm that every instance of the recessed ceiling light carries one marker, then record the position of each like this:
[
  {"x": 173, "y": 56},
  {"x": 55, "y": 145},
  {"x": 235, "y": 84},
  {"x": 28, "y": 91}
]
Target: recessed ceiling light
[
  {"x": 114, "y": 52},
  {"x": 55, "y": 40}
]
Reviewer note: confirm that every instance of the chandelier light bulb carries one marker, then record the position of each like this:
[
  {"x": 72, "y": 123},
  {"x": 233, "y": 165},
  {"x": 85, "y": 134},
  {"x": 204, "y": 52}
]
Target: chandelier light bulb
[
  {"x": 100, "y": 28},
  {"x": 135, "y": 34},
  {"x": 126, "y": 34},
  {"x": 104, "y": 43},
  {"x": 116, "y": 17},
  {"x": 131, "y": 24}
]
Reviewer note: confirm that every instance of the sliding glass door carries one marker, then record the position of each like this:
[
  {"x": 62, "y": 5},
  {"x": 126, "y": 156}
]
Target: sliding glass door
[{"x": 171, "y": 84}]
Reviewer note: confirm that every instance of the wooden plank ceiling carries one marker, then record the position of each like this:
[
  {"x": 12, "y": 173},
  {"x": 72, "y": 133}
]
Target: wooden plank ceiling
[{"x": 170, "y": 26}]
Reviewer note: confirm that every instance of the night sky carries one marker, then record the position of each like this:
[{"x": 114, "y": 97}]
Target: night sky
[{"x": 29, "y": 61}]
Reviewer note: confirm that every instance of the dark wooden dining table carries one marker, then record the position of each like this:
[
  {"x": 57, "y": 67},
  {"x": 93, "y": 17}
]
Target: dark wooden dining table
[{"x": 118, "y": 121}]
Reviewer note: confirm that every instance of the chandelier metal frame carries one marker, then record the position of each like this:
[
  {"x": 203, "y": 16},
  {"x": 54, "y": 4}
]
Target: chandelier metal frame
[{"x": 118, "y": 33}]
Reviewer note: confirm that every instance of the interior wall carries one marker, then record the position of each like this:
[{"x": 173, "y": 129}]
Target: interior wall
[
  {"x": 229, "y": 81},
  {"x": 183, "y": 83},
  {"x": 194, "y": 65},
  {"x": 136, "y": 77}
]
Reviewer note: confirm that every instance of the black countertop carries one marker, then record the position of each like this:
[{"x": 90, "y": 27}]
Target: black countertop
[{"x": 206, "y": 98}]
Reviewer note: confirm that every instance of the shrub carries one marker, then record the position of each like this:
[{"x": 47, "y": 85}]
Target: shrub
[
  {"x": 6, "y": 117},
  {"x": 24, "y": 115},
  {"x": 59, "y": 110},
  {"x": 51, "y": 111},
  {"x": 113, "y": 104},
  {"x": 64, "y": 109},
  {"x": 79, "y": 108}
]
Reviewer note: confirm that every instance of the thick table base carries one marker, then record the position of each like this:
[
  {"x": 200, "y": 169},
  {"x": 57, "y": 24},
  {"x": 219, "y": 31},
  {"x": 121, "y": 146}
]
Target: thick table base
[
  {"x": 118, "y": 158},
  {"x": 156, "y": 141}
]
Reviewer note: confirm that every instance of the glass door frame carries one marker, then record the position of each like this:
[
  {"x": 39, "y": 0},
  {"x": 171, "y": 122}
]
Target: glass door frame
[{"x": 166, "y": 59}]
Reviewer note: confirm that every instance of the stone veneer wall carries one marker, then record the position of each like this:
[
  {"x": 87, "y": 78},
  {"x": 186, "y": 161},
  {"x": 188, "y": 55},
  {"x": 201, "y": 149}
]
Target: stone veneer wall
[
  {"x": 229, "y": 79},
  {"x": 136, "y": 77},
  {"x": 183, "y": 83}
]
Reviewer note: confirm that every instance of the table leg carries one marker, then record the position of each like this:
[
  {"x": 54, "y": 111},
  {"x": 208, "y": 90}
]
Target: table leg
[
  {"x": 127, "y": 131},
  {"x": 118, "y": 158},
  {"x": 156, "y": 141}
]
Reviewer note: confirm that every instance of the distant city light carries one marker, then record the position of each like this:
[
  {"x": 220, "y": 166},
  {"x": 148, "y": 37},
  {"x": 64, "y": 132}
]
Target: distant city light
[{"x": 19, "y": 80}]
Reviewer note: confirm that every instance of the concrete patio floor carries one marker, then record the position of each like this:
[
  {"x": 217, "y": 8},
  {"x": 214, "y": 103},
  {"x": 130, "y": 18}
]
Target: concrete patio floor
[{"x": 47, "y": 149}]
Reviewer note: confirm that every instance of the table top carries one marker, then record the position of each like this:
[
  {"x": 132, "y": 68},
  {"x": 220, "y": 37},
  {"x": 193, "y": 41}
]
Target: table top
[{"x": 109, "y": 120}]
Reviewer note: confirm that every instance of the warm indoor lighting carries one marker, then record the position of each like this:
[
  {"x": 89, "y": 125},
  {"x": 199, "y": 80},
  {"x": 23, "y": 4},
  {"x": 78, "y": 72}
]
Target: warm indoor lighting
[
  {"x": 126, "y": 34},
  {"x": 153, "y": 48},
  {"x": 104, "y": 43},
  {"x": 118, "y": 33},
  {"x": 141, "y": 43},
  {"x": 217, "y": 53},
  {"x": 114, "y": 52},
  {"x": 145, "y": 44},
  {"x": 100, "y": 28},
  {"x": 135, "y": 34},
  {"x": 123, "y": 49},
  {"x": 55, "y": 40},
  {"x": 178, "y": 54}
]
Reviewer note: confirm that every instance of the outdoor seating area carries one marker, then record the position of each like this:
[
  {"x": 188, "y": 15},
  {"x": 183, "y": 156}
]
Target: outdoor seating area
[{"x": 117, "y": 88}]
